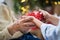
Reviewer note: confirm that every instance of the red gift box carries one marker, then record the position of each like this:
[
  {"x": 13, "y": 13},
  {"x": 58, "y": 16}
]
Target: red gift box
[{"x": 38, "y": 15}]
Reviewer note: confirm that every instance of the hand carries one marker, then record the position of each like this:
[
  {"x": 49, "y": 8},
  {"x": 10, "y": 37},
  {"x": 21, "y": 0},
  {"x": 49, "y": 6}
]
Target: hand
[
  {"x": 37, "y": 22},
  {"x": 20, "y": 25},
  {"x": 45, "y": 14},
  {"x": 50, "y": 18}
]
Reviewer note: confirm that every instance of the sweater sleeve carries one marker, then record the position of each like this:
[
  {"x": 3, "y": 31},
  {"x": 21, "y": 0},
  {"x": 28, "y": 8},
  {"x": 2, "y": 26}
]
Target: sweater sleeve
[{"x": 4, "y": 35}]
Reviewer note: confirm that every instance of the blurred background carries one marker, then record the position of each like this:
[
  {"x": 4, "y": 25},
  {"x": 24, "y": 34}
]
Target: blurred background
[{"x": 23, "y": 6}]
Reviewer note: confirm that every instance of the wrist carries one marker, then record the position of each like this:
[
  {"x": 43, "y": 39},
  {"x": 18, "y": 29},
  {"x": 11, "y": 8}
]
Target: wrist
[
  {"x": 48, "y": 17},
  {"x": 54, "y": 20},
  {"x": 12, "y": 29},
  {"x": 37, "y": 22}
]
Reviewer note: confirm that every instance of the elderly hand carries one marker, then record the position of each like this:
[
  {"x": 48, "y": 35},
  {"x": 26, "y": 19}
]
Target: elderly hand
[
  {"x": 20, "y": 25},
  {"x": 50, "y": 18},
  {"x": 37, "y": 22}
]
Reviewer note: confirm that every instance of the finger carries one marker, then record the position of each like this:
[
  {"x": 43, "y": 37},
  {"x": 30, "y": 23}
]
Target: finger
[
  {"x": 44, "y": 13},
  {"x": 27, "y": 16},
  {"x": 20, "y": 18},
  {"x": 40, "y": 9},
  {"x": 25, "y": 29},
  {"x": 23, "y": 16},
  {"x": 29, "y": 24},
  {"x": 27, "y": 19}
]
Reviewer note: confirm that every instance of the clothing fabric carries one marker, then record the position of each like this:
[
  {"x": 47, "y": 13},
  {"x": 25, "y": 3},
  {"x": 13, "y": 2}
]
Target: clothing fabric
[
  {"x": 6, "y": 18},
  {"x": 27, "y": 36},
  {"x": 50, "y": 32}
]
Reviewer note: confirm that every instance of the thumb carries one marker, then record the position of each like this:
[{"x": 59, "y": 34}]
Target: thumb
[{"x": 27, "y": 18}]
